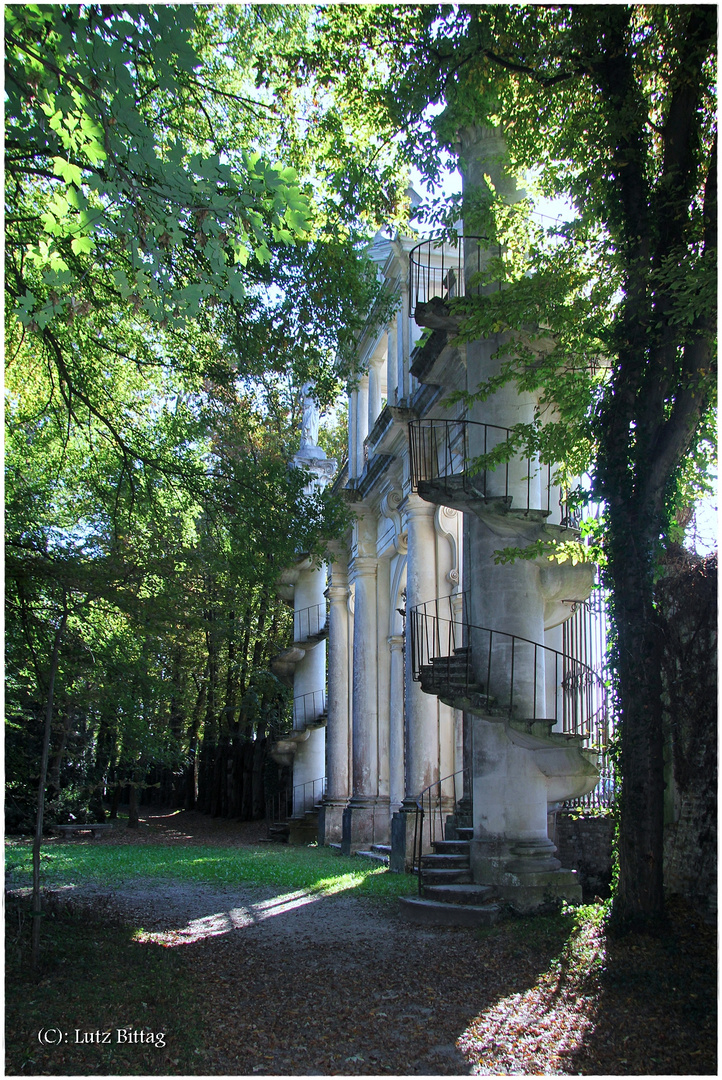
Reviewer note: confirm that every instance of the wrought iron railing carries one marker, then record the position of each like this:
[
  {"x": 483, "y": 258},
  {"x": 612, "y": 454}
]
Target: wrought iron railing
[
  {"x": 429, "y": 812},
  {"x": 310, "y": 622},
  {"x": 305, "y": 796},
  {"x": 307, "y": 708},
  {"x": 584, "y": 636},
  {"x": 448, "y": 452},
  {"x": 509, "y": 675},
  {"x": 437, "y": 269},
  {"x": 295, "y": 801}
]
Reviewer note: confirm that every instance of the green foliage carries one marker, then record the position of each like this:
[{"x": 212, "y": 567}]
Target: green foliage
[{"x": 175, "y": 272}]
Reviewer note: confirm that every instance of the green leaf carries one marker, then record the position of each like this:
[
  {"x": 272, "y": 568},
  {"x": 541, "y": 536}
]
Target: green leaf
[
  {"x": 82, "y": 245},
  {"x": 67, "y": 171}
]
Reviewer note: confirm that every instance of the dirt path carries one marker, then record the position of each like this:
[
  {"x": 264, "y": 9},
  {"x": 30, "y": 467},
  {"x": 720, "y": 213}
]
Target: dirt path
[{"x": 299, "y": 984}]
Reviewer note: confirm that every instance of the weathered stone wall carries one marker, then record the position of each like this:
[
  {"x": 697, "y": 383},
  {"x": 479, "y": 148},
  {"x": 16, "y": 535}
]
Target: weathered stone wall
[{"x": 584, "y": 844}]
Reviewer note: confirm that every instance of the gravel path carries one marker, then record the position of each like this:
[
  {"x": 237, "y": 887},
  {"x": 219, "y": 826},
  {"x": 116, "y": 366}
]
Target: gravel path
[{"x": 301, "y": 984}]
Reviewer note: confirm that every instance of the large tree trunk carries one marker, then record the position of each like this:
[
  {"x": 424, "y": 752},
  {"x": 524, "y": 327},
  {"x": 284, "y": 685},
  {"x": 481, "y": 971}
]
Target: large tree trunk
[
  {"x": 639, "y": 895},
  {"x": 38, "y": 839}
]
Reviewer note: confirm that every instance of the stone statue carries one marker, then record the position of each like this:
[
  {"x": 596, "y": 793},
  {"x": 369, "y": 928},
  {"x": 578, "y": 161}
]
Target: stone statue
[{"x": 309, "y": 424}]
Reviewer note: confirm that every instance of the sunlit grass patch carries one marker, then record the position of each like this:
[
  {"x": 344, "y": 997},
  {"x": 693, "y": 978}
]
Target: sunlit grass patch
[{"x": 312, "y": 868}]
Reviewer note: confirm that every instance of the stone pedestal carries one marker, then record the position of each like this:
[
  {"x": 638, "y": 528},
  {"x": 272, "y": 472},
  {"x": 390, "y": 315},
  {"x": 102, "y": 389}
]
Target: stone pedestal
[
  {"x": 330, "y": 821},
  {"x": 516, "y": 778},
  {"x": 402, "y": 841},
  {"x": 365, "y": 822}
]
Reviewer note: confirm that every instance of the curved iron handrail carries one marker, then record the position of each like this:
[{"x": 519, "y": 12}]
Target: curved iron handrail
[
  {"x": 283, "y": 805},
  {"x": 417, "y": 850},
  {"x": 443, "y": 645},
  {"x": 439, "y": 450},
  {"x": 437, "y": 268},
  {"x": 307, "y": 708},
  {"x": 310, "y": 622}
]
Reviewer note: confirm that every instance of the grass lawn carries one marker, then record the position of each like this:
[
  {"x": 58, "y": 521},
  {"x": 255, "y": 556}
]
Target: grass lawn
[
  {"x": 94, "y": 978},
  {"x": 101, "y": 973},
  {"x": 315, "y": 869}
]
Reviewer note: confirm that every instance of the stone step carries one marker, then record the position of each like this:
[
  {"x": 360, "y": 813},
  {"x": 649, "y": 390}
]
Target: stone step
[
  {"x": 442, "y": 861},
  {"x": 464, "y": 832},
  {"x": 458, "y": 894},
  {"x": 445, "y": 876},
  {"x": 428, "y": 912},
  {"x": 451, "y": 667},
  {"x": 452, "y": 847},
  {"x": 374, "y": 856},
  {"x": 382, "y": 849},
  {"x": 443, "y": 682}
]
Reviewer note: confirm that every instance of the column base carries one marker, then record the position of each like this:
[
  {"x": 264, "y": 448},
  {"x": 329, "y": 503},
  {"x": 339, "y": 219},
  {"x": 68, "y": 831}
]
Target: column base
[
  {"x": 524, "y": 873},
  {"x": 330, "y": 821},
  {"x": 365, "y": 822},
  {"x": 402, "y": 841}
]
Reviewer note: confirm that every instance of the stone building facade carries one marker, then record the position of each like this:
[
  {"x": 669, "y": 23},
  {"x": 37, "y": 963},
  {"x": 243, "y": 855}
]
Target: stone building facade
[{"x": 446, "y": 671}]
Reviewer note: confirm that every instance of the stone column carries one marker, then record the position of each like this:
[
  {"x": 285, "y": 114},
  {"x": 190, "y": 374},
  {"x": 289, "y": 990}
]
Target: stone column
[
  {"x": 362, "y": 421},
  {"x": 365, "y": 822},
  {"x": 337, "y": 727},
  {"x": 374, "y": 392},
  {"x": 396, "y": 722},
  {"x": 422, "y": 734},
  {"x": 309, "y": 682},
  {"x": 422, "y": 710},
  {"x": 391, "y": 367},
  {"x": 402, "y": 337}
]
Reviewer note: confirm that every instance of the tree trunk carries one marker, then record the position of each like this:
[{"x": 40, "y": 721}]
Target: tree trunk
[
  {"x": 639, "y": 896},
  {"x": 38, "y": 839},
  {"x": 57, "y": 758},
  {"x": 133, "y": 819}
]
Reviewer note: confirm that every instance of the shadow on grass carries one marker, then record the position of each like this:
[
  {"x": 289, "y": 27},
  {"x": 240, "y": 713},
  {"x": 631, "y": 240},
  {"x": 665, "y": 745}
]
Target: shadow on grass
[{"x": 95, "y": 1000}]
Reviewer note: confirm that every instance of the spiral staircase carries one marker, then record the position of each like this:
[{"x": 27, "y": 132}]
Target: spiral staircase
[{"x": 536, "y": 707}]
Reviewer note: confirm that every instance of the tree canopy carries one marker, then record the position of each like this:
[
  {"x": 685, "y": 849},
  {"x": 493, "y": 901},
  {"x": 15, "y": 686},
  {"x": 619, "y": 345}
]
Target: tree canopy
[{"x": 176, "y": 270}]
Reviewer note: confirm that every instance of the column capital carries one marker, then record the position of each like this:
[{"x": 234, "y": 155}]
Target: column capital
[
  {"x": 413, "y": 506},
  {"x": 363, "y": 566},
  {"x": 395, "y": 642},
  {"x": 337, "y": 593}
]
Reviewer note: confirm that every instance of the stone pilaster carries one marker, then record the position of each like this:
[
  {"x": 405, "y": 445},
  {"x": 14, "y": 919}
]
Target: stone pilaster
[
  {"x": 396, "y": 722},
  {"x": 365, "y": 819},
  {"x": 337, "y": 727}
]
